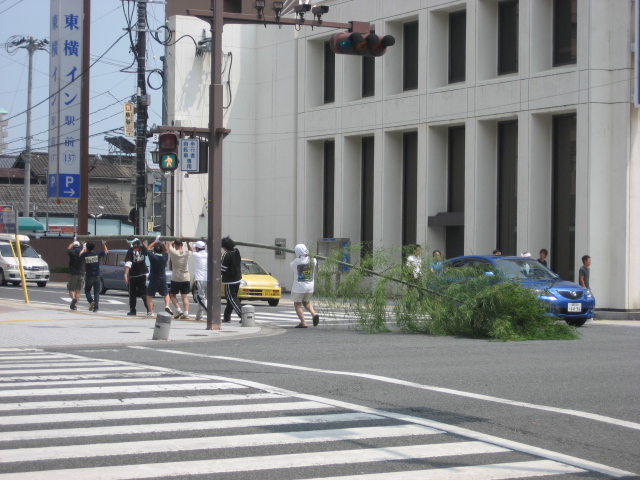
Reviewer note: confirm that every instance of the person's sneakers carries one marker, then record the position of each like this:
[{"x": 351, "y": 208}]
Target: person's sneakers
[
  {"x": 168, "y": 310},
  {"x": 149, "y": 314},
  {"x": 183, "y": 316},
  {"x": 92, "y": 306},
  {"x": 73, "y": 304},
  {"x": 199, "y": 319},
  {"x": 316, "y": 320},
  {"x": 132, "y": 313},
  {"x": 178, "y": 314},
  {"x": 95, "y": 310},
  {"x": 226, "y": 321}
]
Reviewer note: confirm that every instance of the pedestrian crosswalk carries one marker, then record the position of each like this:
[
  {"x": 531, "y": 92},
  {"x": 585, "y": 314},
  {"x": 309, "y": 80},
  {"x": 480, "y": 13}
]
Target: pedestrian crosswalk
[{"x": 68, "y": 417}]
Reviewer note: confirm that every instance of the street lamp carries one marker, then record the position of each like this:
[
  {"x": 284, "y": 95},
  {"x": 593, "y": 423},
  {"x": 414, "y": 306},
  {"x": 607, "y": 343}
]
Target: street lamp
[
  {"x": 95, "y": 219},
  {"x": 32, "y": 45}
]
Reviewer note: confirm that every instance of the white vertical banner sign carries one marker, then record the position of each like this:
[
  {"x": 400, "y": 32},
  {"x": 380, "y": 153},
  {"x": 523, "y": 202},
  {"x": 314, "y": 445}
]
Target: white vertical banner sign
[
  {"x": 636, "y": 55},
  {"x": 65, "y": 102},
  {"x": 189, "y": 155}
]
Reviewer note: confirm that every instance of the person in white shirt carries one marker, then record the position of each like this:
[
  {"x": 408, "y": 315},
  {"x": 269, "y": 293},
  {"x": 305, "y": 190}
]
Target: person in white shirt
[
  {"x": 200, "y": 292},
  {"x": 304, "y": 269}
]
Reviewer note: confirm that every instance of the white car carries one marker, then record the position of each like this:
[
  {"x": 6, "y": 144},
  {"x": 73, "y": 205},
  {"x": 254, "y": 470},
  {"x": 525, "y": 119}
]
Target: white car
[{"x": 35, "y": 269}]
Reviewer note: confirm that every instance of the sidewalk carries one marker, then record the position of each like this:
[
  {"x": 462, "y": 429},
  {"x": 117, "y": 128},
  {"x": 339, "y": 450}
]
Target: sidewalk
[{"x": 34, "y": 325}]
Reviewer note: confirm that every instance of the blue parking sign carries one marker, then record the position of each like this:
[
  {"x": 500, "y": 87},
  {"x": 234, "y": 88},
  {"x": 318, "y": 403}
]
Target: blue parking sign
[
  {"x": 52, "y": 186},
  {"x": 69, "y": 186}
]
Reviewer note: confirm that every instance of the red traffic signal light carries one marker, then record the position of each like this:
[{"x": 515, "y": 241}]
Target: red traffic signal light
[
  {"x": 369, "y": 45},
  {"x": 168, "y": 144}
]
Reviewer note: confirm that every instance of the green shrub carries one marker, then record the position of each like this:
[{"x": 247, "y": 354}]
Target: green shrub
[
  {"x": 384, "y": 296},
  {"x": 60, "y": 269}
]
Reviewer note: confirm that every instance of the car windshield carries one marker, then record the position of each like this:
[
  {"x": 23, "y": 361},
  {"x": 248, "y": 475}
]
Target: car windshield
[
  {"x": 27, "y": 251},
  {"x": 516, "y": 269},
  {"x": 252, "y": 268}
]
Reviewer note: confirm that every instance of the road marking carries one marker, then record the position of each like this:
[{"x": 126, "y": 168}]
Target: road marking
[
  {"x": 496, "y": 471},
  {"x": 48, "y": 383},
  {"x": 186, "y": 426},
  {"x": 48, "y": 364},
  {"x": 515, "y": 403},
  {"x": 61, "y": 370},
  {"x": 521, "y": 447},
  {"x": 46, "y": 378},
  {"x": 209, "y": 443},
  {"x": 47, "y": 392},
  {"x": 122, "y": 402},
  {"x": 160, "y": 412}
]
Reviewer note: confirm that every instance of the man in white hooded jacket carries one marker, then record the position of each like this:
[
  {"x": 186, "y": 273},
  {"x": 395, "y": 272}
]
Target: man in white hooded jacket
[{"x": 304, "y": 269}]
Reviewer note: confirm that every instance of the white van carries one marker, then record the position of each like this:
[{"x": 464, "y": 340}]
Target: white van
[{"x": 35, "y": 269}]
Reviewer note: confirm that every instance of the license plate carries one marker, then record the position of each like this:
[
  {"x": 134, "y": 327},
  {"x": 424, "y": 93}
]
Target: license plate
[
  {"x": 31, "y": 275},
  {"x": 574, "y": 307},
  {"x": 269, "y": 293}
]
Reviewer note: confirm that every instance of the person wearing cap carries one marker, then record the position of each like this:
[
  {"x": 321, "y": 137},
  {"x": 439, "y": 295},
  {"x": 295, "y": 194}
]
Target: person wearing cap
[
  {"x": 76, "y": 280},
  {"x": 135, "y": 274},
  {"x": 200, "y": 281},
  {"x": 180, "y": 279},
  {"x": 304, "y": 269},
  {"x": 231, "y": 268}
]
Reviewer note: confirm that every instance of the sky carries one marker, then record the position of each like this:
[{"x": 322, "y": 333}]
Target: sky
[{"x": 113, "y": 78}]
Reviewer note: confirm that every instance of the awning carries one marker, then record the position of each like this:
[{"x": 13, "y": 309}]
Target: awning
[{"x": 28, "y": 223}]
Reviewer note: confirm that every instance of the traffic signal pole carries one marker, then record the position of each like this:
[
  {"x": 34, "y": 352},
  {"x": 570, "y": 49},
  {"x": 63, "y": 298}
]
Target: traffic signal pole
[
  {"x": 141, "y": 123},
  {"x": 217, "y": 18}
]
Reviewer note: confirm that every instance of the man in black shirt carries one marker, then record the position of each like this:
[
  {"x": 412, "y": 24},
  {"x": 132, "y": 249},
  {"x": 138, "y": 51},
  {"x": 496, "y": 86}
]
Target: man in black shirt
[
  {"x": 135, "y": 274},
  {"x": 92, "y": 280},
  {"x": 74, "y": 285},
  {"x": 231, "y": 268}
]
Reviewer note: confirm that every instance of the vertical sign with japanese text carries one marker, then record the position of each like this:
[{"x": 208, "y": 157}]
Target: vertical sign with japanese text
[
  {"x": 129, "y": 123},
  {"x": 8, "y": 219},
  {"x": 189, "y": 154},
  {"x": 65, "y": 85}
]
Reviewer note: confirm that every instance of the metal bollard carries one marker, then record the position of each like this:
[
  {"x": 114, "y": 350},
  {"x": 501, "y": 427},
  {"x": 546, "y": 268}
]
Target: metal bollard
[
  {"x": 163, "y": 324},
  {"x": 248, "y": 316}
]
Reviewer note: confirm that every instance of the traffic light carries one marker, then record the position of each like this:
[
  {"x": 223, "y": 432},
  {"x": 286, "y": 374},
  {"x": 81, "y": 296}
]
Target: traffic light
[
  {"x": 368, "y": 45},
  {"x": 168, "y": 144}
]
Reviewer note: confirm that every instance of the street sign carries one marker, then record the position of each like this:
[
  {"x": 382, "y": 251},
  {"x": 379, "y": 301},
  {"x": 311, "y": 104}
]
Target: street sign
[
  {"x": 129, "y": 123},
  {"x": 65, "y": 106},
  {"x": 8, "y": 220},
  {"x": 189, "y": 155}
]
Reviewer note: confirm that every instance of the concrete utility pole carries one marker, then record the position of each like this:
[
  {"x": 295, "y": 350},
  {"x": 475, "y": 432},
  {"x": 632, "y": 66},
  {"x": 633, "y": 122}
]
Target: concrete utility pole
[
  {"x": 142, "y": 101},
  {"x": 32, "y": 45}
]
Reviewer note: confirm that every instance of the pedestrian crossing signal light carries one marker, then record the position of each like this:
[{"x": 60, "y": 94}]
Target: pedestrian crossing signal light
[
  {"x": 168, "y": 144},
  {"x": 367, "y": 45}
]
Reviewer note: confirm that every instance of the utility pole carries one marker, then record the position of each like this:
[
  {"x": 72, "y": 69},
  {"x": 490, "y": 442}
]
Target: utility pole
[
  {"x": 142, "y": 101},
  {"x": 32, "y": 45}
]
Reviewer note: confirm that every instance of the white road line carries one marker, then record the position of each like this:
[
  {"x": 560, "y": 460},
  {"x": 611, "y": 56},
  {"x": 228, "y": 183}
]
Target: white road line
[
  {"x": 33, "y": 356},
  {"x": 185, "y": 426},
  {"x": 514, "y": 403},
  {"x": 19, "y": 371},
  {"x": 66, "y": 363},
  {"x": 521, "y": 447},
  {"x": 49, "y": 383},
  {"x": 159, "y": 413},
  {"x": 44, "y": 378},
  {"x": 46, "y": 392},
  {"x": 268, "y": 462},
  {"x": 123, "y": 402},
  {"x": 498, "y": 471}
]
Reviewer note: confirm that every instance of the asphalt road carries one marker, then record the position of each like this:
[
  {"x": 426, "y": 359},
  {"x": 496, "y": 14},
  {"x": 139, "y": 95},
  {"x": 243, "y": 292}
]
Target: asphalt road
[{"x": 576, "y": 400}]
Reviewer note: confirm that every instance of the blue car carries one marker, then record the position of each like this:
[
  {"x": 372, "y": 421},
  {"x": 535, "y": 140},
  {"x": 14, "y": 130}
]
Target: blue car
[{"x": 567, "y": 300}]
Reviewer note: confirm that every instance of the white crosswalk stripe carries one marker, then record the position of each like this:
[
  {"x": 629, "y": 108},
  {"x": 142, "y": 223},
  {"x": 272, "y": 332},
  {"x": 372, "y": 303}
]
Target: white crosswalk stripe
[{"x": 143, "y": 425}]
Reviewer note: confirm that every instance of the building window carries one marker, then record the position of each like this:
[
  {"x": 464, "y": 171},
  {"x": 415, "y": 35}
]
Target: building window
[
  {"x": 329, "y": 74},
  {"x": 409, "y": 188},
  {"x": 507, "y": 188},
  {"x": 563, "y": 204},
  {"x": 368, "y": 76},
  {"x": 328, "y": 191},
  {"x": 455, "y": 191},
  {"x": 410, "y": 56},
  {"x": 457, "y": 46},
  {"x": 508, "y": 13},
  {"x": 366, "y": 199},
  {"x": 565, "y": 32}
]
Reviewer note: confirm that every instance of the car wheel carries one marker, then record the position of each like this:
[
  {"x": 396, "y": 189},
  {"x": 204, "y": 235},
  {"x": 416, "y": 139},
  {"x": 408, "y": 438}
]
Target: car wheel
[
  {"x": 3, "y": 281},
  {"x": 103, "y": 289},
  {"x": 576, "y": 323},
  {"x": 42, "y": 284},
  {"x": 274, "y": 303},
  {"x": 15, "y": 284}
]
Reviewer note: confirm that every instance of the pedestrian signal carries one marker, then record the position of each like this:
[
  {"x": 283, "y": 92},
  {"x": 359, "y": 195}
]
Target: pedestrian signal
[{"x": 168, "y": 147}]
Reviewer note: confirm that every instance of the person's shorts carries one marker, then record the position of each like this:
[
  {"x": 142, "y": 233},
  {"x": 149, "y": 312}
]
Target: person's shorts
[
  {"x": 301, "y": 297},
  {"x": 75, "y": 282},
  {"x": 181, "y": 288},
  {"x": 157, "y": 286}
]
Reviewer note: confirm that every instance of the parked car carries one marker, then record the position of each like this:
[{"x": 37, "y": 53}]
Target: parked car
[
  {"x": 257, "y": 284},
  {"x": 35, "y": 269},
  {"x": 112, "y": 272},
  {"x": 566, "y": 300}
]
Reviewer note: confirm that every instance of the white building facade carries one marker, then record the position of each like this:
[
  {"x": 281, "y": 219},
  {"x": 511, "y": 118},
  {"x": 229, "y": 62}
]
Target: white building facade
[{"x": 489, "y": 124}]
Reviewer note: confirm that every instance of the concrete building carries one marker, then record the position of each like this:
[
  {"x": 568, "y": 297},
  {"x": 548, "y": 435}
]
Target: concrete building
[{"x": 490, "y": 123}]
